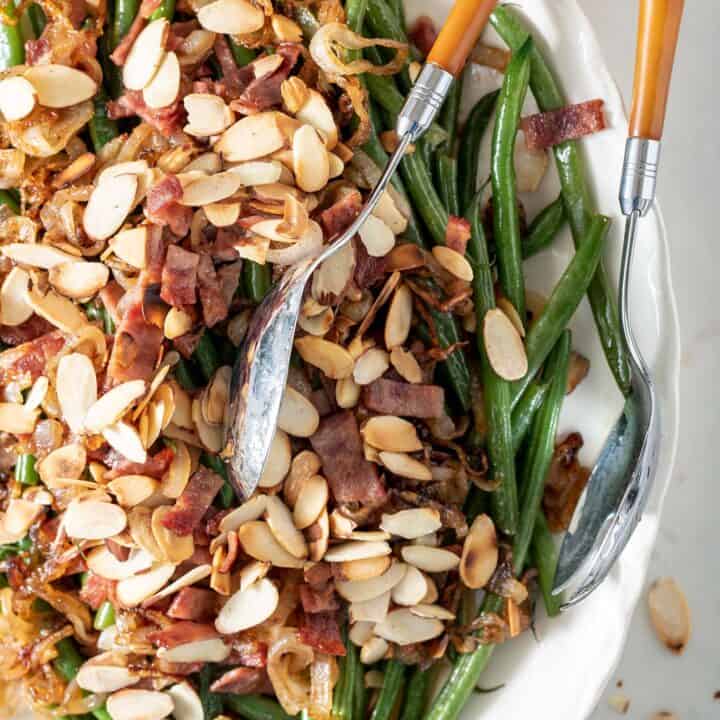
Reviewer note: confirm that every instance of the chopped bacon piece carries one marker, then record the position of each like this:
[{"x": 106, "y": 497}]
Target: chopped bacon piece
[
  {"x": 196, "y": 498},
  {"x": 338, "y": 443},
  {"x": 210, "y": 86},
  {"x": 234, "y": 78},
  {"x": 423, "y": 34},
  {"x": 316, "y": 600},
  {"x": 97, "y": 590},
  {"x": 25, "y": 363},
  {"x": 155, "y": 257},
  {"x": 110, "y": 296},
  {"x": 223, "y": 248},
  {"x": 168, "y": 667},
  {"x": 368, "y": 270},
  {"x": 31, "y": 329},
  {"x": 168, "y": 121},
  {"x": 243, "y": 681},
  {"x": 38, "y": 51},
  {"x": 214, "y": 307},
  {"x": 340, "y": 215},
  {"x": 163, "y": 207},
  {"x": 193, "y": 603},
  {"x": 248, "y": 652},
  {"x": 321, "y": 631},
  {"x": 121, "y": 552},
  {"x": 155, "y": 466},
  {"x": 229, "y": 277},
  {"x": 393, "y": 397},
  {"x": 137, "y": 343},
  {"x": 568, "y": 123},
  {"x": 457, "y": 234},
  {"x": 179, "y": 277},
  {"x": 186, "y": 344},
  {"x": 181, "y": 633},
  {"x": 318, "y": 574}
]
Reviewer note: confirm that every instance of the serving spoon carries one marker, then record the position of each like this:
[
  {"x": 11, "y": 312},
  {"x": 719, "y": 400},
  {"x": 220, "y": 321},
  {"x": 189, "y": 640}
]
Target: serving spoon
[
  {"x": 260, "y": 372},
  {"x": 620, "y": 483}
]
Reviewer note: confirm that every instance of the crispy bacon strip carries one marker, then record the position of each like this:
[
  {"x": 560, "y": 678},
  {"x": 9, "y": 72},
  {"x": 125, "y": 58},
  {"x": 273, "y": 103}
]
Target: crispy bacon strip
[
  {"x": 29, "y": 330},
  {"x": 197, "y": 497},
  {"x": 340, "y": 215},
  {"x": 26, "y": 363},
  {"x": 321, "y": 631},
  {"x": 181, "y": 633},
  {"x": 163, "y": 207},
  {"x": 547, "y": 129},
  {"x": 392, "y": 397},
  {"x": 179, "y": 277},
  {"x": 214, "y": 305},
  {"x": 457, "y": 234},
  {"x": 193, "y": 603},
  {"x": 168, "y": 121},
  {"x": 243, "y": 681},
  {"x": 423, "y": 34},
  {"x": 315, "y": 600}
]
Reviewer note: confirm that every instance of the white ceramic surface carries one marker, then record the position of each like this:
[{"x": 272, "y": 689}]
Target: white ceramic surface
[{"x": 563, "y": 674}]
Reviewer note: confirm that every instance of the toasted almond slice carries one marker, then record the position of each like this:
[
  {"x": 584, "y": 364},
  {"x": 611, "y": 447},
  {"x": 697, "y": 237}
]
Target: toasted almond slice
[
  {"x": 252, "y": 137},
  {"x": 146, "y": 55},
  {"x": 285, "y": 29},
  {"x": 370, "y": 366},
  {"x": 177, "y": 322},
  {"x": 312, "y": 499},
  {"x": 432, "y": 611},
  {"x": 222, "y": 214},
  {"x": 347, "y": 393},
  {"x": 104, "y": 678},
  {"x": 311, "y": 164},
  {"x": 186, "y": 702},
  {"x": 278, "y": 462},
  {"x": 211, "y": 436},
  {"x": 163, "y": 89},
  {"x": 257, "y": 172},
  {"x": 358, "y": 570},
  {"x": 377, "y": 237},
  {"x": 131, "y": 246},
  {"x": 388, "y": 432},
  {"x": 175, "y": 548},
  {"x": 360, "y": 632},
  {"x": 79, "y": 279},
  {"x": 258, "y": 542},
  {"x": 57, "y": 310},
  {"x": 14, "y": 307},
  {"x": 453, "y": 262},
  {"x": 504, "y": 346},
  {"x": 248, "y": 608},
  {"x": 215, "y": 397},
  {"x": 209, "y": 162},
  {"x": 109, "y": 205},
  {"x": 37, "y": 393},
  {"x": 60, "y": 86},
  {"x": 363, "y": 590},
  {"x": 387, "y": 211},
  {"x": 317, "y": 325},
  {"x": 139, "y": 705},
  {"x": 319, "y": 537},
  {"x": 280, "y": 522},
  {"x": 37, "y": 255},
  {"x": 66, "y": 462},
  {"x": 92, "y": 520},
  {"x": 406, "y": 466},
  {"x": 131, "y": 490},
  {"x": 207, "y": 115},
  {"x": 211, "y": 188},
  {"x": 17, "y": 98},
  {"x": 407, "y": 366},
  {"x": 252, "y": 509},
  {"x": 509, "y": 309},
  {"x": 198, "y": 573},
  {"x": 430, "y": 559},
  {"x": 480, "y": 553},
  {"x": 412, "y": 589},
  {"x": 670, "y": 614},
  {"x": 304, "y": 465},
  {"x": 132, "y": 591},
  {"x": 373, "y": 611},
  {"x": 373, "y": 650},
  {"x": 399, "y": 317},
  {"x": 20, "y": 516},
  {"x": 76, "y": 388},
  {"x": 333, "y": 359},
  {"x": 113, "y": 405},
  {"x": 209, "y": 650},
  {"x": 357, "y": 551},
  {"x": 252, "y": 572},
  {"x": 140, "y": 529},
  {"x": 412, "y": 523},
  {"x": 234, "y": 17},
  {"x": 125, "y": 439},
  {"x": 102, "y": 562},
  {"x": 404, "y": 628},
  {"x": 315, "y": 112},
  {"x": 17, "y": 419},
  {"x": 298, "y": 416}
]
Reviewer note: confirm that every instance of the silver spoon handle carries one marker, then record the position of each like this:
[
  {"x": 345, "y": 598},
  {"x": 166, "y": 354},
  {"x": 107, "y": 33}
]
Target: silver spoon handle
[{"x": 639, "y": 176}]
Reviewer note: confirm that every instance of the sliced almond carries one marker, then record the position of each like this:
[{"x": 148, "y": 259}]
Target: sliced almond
[
  {"x": 258, "y": 172},
  {"x": 57, "y": 310},
  {"x": 210, "y": 189},
  {"x": 670, "y": 614},
  {"x": 360, "y": 632},
  {"x": 17, "y": 97},
  {"x": 310, "y": 160},
  {"x": 453, "y": 262},
  {"x": 315, "y": 112},
  {"x": 399, "y": 317},
  {"x": 280, "y": 522},
  {"x": 104, "y": 678},
  {"x": 438, "y": 612},
  {"x": 92, "y": 520},
  {"x": 60, "y": 86},
  {"x": 357, "y": 570},
  {"x": 207, "y": 115},
  {"x": 318, "y": 325},
  {"x": 356, "y": 551},
  {"x": 412, "y": 589},
  {"x": 178, "y": 474},
  {"x": 19, "y": 517},
  {"x": 37, "y": 255},
  {"x": 333, "y": 359},
  {"x": 430, "y": 559},
  {"x": 298, "y": 416},
  {"x": 347, "y": 393},
  {"x": 163, "y": 89},
  {"x": 209, "y": 650},
  {"x": 177, "y": 323},
  {"x": 388, "y": 432},
  {"x": 480, "y": 553},
  {"x": 285, "y": 29},
  {"x": 319, "y": 537},
  {"x": 373, "y": 611},
  {"x": 37, "y": 393},
  {"x": 17, "y": 419},
  {"x": 125, "y": 439},
  {"x": 252, "y": 572},
  {"x": 209, "y": 162},
  {"x": 334, "y": 275},
  {"x": 131, "y": 490},
  {"x": 102, "y": 562},
  {"x": 311, "y": 501},
  {"x": 363, "y": 590},
  {"x": 406, "y": 365},
  {"x": 66, "y": 462},
  {"x": 252, "y": 509},
  {"x": 146, "y": 55},
  {"x": 76, "y": 388},
  {"x": 412, "y": 523},
  {"x": 248, "y": 608},
  {"x": 405, "y": 466},
  {"x": 377, "y": 237},
  {"x": 387, "y": 211},
  {"x": 14, "y": 306},
  {"x": 233, "y": 17},
  {"x": 186, "y": 702},
  {"x": 278, "y": 461},
  {"x": 131, "y": 246},
  {"x": 198, "y": 573},
  {"x": 175, "y": 548},
  {"x": 222, "y": 214},
  {"x": 132, "y": 591},
  {"x": 258, "y": 542},
  {"x": 371, "y": 366},
  {"x": 109, "y": 205},
  {"x": 509, "y": 309},
  {"x": 252, "y": 137},
  {"x": 113, "y": 405},
  {"x": 504, "y": 346},
  {"x": 404, "y": 628},
  {"x": 373, "y": 650},
  {"x": 304, "y": 465},
  {"x": 139, "y": 705},
  {"x": 79, "y": 279}
]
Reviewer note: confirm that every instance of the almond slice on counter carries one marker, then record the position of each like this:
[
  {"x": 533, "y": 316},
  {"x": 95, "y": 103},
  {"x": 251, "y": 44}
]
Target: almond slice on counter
[
  {"x": 163, "y": 89},
  {"x": 113, "y": 405},
  {"x": 412, "y": 523},
  {"x": 480, "y": 553},
  {"x": 14, "y": 307},
  {"x": 670, "y": 614},
  {"x": 252, "y": 137},
  {"x": 504, "y": 346},
  {"x": 298, "y": 416},
  {"x": 430, "y": 559},
  {"x": 248, "y": 608},
  {"x": 17, "y": 98},
  {"x": 232, "y": 17},
  {"x": 404, "y": 628},
  {"x": 79, "y": 280},
  {"x": 139, "y": 705},
  {"x": 146, "y": 55},
  {"x": 109, "y": 205},
  {"x": 93, "y": 520},
  {"x": 453, "y": 262},
  {"x": 258, "y": 542},
  {"x": 60, "y": 86},
  {"x": 388, "y": 432}
]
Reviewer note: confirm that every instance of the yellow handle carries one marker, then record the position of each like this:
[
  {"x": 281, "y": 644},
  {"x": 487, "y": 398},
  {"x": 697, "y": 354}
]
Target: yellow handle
[
  {"x": 460, "y": 33},
  {"x": 658, "y": 32}
]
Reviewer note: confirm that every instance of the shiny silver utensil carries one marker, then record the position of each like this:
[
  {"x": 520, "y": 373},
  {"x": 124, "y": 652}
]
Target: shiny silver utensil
[
  {"x": 261, "y": 369},
  {"x": 621, "y": 481}
]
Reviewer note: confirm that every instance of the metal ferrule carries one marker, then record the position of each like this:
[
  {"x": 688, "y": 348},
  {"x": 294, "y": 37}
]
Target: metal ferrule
[
  {"x": 639, "y": 177},
  {"x": 424, "y": 101}
]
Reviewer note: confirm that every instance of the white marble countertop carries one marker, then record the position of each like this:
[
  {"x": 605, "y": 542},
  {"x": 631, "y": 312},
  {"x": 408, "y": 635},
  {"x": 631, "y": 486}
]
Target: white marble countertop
[{"x": 687, "y": 548}]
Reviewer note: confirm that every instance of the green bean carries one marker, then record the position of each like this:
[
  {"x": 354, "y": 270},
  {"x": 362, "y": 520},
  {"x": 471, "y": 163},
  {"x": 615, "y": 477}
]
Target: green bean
[
  {"x": 506, "y": 217},
  {"x": 424, "y": 196},
  {"x": 383, "y": 21},
  {"x": 455, "y": 365},
  {"x": 469, "y": 150},
  {"x": 25, "y": 545},
  {"x": 579, "y": 205},
  {"x": 37, "y": 19},
  {"x": 355, "y": 11},
  {"x": 563, "y": 302},
  {"x": 416, "y": 695},
  {"x": 496, "y": 391},
  {"x": 215, "y": 463},
  {"x": 525, "y": 410},
  {"x": 242, "y": 55},
  {"x": 25, "y": 472},
  {"x": 185, "y": 375},
  {"x": 166, "y": 10},
  {"x": 340, "y": 690},
  {"x": 212, "y": 703},
  {"x": 360, "y": 706},
  {"x": 477, "y": 503},
  {"x": 102, "y": 128},
  {"x": 544, "y": 228},
  {"x": 69, "y": 660},
  {"x": 393, "y": 682},
  {"x": 344, "y": 695},
  {"x": 449, "y": 113},
  {"x": 541, "y": 448},
  {"x": 12, "y": 50},
  {"x": 447, "y": 183},
  {"x": 9, "y": 201},
  {"x": 255, "y": 707},
  {"x": 544, "y": 555},
  {"x": 256, "y": 280},
  {"x": 105, "y": 616},
  {"x": 206, "y": 356},
  {"x": 125, "y": 12}
]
